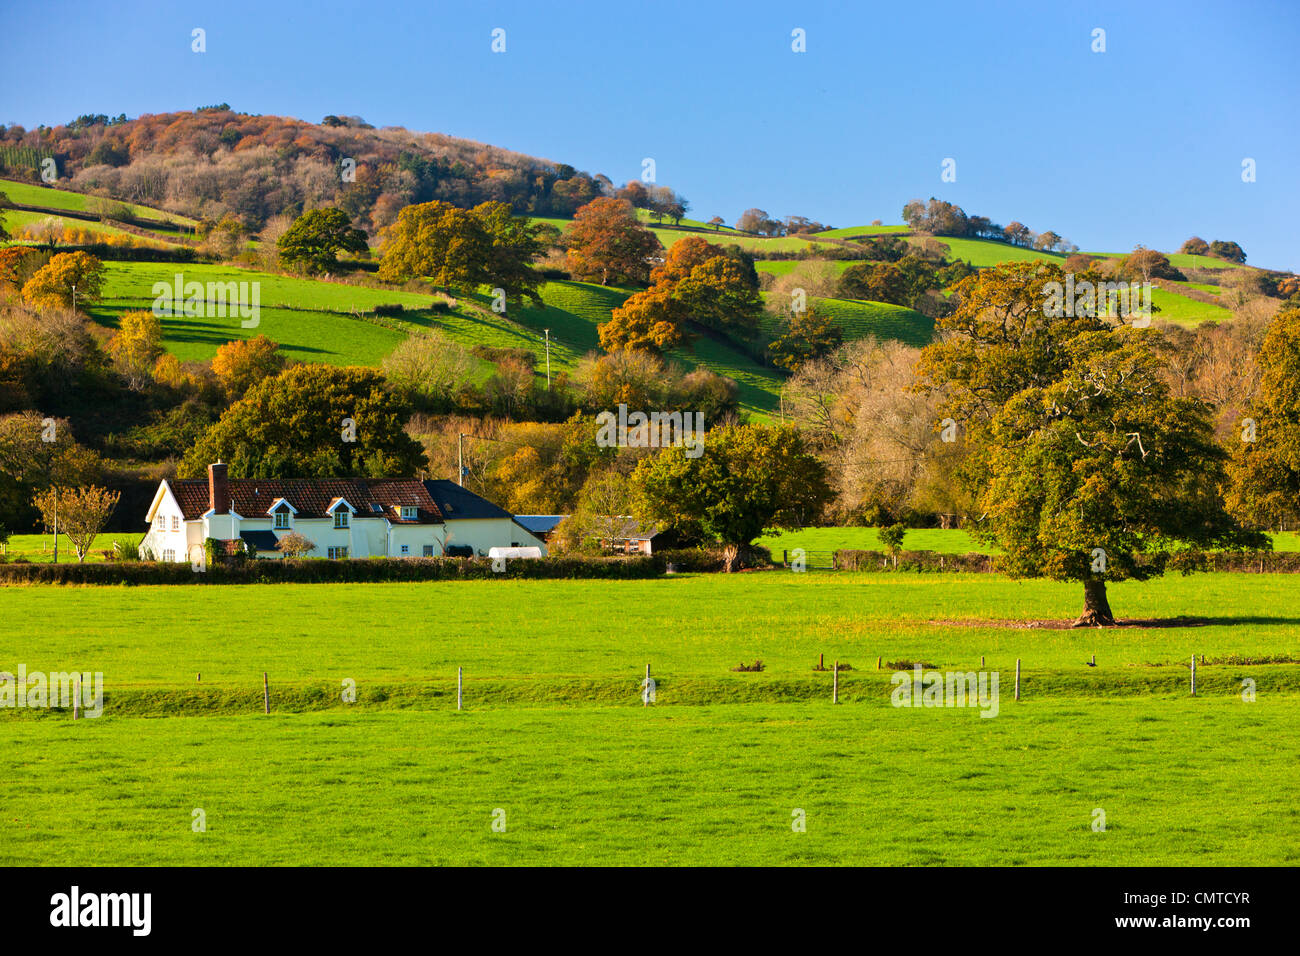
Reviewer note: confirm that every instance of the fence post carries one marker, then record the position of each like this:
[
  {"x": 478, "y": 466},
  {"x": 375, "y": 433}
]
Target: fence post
[
  {"x": 266, "y": 694},
  {"x": 1193, "y": 675},
  {"x": 1017, "y": 678},
  {"x": 459, "y": 674},
  {"x": 76, "y": 698},
  {"x": 835, "y": 685},
  {"x": 645, "y": 696}
]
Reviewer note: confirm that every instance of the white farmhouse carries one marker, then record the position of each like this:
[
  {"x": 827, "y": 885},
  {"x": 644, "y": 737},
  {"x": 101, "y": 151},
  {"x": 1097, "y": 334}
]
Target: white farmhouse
[{"x": 343, "y": 517}]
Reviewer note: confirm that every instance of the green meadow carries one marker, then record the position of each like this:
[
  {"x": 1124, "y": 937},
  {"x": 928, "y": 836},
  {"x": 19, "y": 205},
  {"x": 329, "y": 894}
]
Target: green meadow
[
  {"x": 30, "y": 194},
  {"x": 555, "y": 748},
  {"x": 321, "y": 321},
  {"x": 1209, "y": 782}
]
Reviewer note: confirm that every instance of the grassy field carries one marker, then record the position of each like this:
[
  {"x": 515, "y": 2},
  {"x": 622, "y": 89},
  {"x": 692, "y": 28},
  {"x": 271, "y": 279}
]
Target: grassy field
[
  {"x": 29, "y": 194},
  {"x": 859, "y": 319},
  {"x": 40, "y": 547},
  {"x": 983, "y": 252},
  {"x": 15, "y": 219},
  {"x": 952, "y": 541},
  {"x": 850, "y": 231},
  {"x": 665, "y": 786},
  {"x": 313, "y": 321},
  {"x": 554, "y": 735}
]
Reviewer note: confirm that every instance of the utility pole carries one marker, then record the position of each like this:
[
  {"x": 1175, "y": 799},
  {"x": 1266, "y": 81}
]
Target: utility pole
[
  {"x": 548, "y": 359},
  {"x": 460, "y": 459},
  {"x": 74, "y": 298}
]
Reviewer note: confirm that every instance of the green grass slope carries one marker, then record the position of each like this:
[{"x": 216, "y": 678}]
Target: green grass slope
[{"x": 313, "y": 320}]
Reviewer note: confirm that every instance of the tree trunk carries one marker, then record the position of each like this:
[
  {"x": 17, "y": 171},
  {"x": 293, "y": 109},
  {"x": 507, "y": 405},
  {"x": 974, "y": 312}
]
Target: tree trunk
[
  {"x": 730, "y": 554},
  {"x": 1096, "y": 609}
]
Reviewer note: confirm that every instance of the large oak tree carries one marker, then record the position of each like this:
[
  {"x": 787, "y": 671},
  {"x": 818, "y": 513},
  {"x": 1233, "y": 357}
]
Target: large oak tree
[{"x": 1082, "y": 465}]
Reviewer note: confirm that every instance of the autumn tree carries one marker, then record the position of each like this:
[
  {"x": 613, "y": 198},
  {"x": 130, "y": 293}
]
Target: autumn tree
[
  {"x": 295, "y": 545},
  {"x": 545, "y": 465},
  {"x": 648, "y": 321},
  {"x": 243, "y": 363},
  {"x": 38, "y": 453},
  {"x": 312, "y": 421},
  {"x": 603, "y": 506},
  {"x": 1265, "y": 467},
  {"x": 53, "y": 283},
  {"x": 606, "y": 242},
  {"x": 1148, "y": 264},
  {"x": 1229, "y": 251},
  {"x": 697, "y": 283},
  {"x": 136, "y": 346},
  {"x": 79, "y": 513},
  {"x": 514, "y": 244},
  {"x": 805, "y": 335},
  {"x": 1018, "y": 234},
  {"x": 314, "y": 241},
  {"x": 439, "y": 241},
  {"x": 749, "y": 478},
  {"x": 759, "y": 222},
  {"x": 430, "y": 366},
  {"x": 1195, "y": 246},
  {"x": 1082, "y": 465},
  {"x": 1047, "y": 241}
]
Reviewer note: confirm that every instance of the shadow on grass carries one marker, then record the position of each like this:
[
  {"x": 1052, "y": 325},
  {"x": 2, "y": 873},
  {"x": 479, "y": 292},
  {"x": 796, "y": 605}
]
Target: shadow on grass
[{"x": 1153, "y": 623}]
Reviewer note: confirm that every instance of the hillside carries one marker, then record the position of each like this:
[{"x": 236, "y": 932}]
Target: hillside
[
  {"x": 315, "y": 320},
  {"x": 215, "y": 161}
]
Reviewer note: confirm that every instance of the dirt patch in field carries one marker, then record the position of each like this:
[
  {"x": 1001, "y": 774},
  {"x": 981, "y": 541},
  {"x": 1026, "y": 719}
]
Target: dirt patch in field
[{"x": 1063, "y": 625}]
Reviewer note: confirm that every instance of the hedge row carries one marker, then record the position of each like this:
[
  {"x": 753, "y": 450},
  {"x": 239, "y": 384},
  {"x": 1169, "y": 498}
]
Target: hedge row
[
  {"x": 104, "y": 251},
  {"x": 1258, "y": 562},
  {"x": 913, "y": 561},
  {"x": 358, "y": 570}
]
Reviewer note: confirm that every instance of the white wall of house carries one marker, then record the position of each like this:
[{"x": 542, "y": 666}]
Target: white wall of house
[
  {"x": 170, "y": 537},
  {"x": 481, "y": 534}
]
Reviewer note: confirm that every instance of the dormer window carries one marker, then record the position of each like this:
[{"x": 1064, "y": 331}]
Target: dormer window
[
  {"x": 281, "y": 513},
  {"x": 341, "y": 518},
  {"x": 409, "y": 513}
]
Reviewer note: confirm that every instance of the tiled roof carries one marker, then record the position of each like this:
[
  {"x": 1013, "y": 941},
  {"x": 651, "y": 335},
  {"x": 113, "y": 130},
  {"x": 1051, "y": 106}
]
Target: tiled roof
[{"x": 253, "y": 497}]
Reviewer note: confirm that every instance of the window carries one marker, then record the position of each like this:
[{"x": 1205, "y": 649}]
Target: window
[
  {"x": 282, "y": 519},
  {"x": 428, "y": 550},
  {"x": 406, "y": 549},
  {"x": 408, "y": 512},
  {"x": 338, "y": 553},
  {"x": 341, "y": 518},
  {"x": 169, "y": 555},
  {"x": 176, "y": 523}
]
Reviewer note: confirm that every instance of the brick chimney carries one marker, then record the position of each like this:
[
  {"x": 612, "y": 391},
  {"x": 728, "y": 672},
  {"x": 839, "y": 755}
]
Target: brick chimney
[{"x": 218, "y": 489}]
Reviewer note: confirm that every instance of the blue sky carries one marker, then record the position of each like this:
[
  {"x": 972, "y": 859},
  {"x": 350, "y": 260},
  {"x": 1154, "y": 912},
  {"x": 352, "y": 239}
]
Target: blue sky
[{"x": 1140, "y": 144}]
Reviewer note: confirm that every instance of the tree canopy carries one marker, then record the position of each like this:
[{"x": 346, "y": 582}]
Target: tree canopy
[
  {"x": 748, "y": 478},
  {"x": 316, "y": 238},
  {"x": 312, "y": 421},
  {"x": 606, "y": 242},
  {"x": 1082, "y": 464}
]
